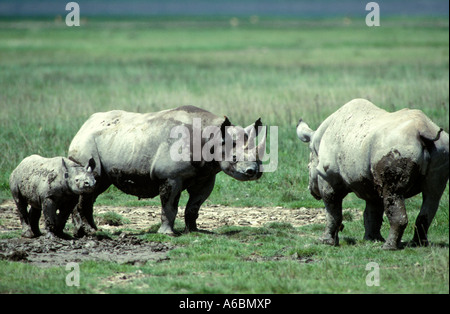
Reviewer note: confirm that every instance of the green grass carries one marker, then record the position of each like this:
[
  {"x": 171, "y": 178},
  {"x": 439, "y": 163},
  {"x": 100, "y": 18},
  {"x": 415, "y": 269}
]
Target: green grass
[
  {"x": 276, "y": 258},
  {"x": 52, "y": 78}
]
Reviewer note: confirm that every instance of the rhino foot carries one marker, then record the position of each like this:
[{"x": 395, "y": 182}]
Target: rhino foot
[
  {"x": 329, "y": 241},
  {"x": 164, "y": 229},
  {"x": 392, "y": 246},
  {"x": 84, "y": 230},
  {"x": 418, "y": 243},
  {"x": 374, "y": 238},
  {"x": 29, "y": 234}
]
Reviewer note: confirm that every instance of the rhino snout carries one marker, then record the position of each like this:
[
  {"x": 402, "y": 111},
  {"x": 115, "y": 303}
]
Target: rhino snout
[
  {"x": 84, "y": 185},
  {"x": 89, "y": 183}
]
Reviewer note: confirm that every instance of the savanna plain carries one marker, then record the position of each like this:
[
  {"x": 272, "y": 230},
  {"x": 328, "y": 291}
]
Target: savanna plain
[{"x": 53, "y": 77}]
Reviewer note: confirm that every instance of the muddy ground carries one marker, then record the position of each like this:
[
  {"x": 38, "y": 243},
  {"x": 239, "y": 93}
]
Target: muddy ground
[{"x": 127, "y": 248}]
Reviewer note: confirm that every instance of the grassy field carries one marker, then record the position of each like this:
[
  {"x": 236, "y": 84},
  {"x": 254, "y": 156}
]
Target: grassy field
[{"x": 52, "y": 78}]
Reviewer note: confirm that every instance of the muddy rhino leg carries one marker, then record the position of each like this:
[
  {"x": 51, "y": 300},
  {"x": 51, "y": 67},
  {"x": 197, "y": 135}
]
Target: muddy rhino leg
[
  {"x": 82, "y": 216},
  {"x": 334, "y": 222},
  {"x": 83, "y": 212},
  {"x": 333, "y": 205},
  {"x": 169, "y": 191},
  {"x": 197, "y": 195},
  {"x": 373, "y": 219},
  {"x": 61, "y": 220},
  {"x": 34, "y": 216},
  {"x": 394, "y": 206},
  {"x": 49, "y": 208},
  {"x": 22, "y": 208}
]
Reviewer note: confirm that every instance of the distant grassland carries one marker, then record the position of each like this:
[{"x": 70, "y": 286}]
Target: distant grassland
[{"x": 53, "y": 77}]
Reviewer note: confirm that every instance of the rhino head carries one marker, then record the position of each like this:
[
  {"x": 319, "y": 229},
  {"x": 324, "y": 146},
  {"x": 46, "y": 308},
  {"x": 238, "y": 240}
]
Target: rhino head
[
  {"x": 79, "y": 179},
  {"x": 241, "y": 157}
]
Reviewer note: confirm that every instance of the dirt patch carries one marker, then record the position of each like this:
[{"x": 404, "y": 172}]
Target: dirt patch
[
  {"x": 57, "y": 252},
  {"x": 127, "y": 248}
]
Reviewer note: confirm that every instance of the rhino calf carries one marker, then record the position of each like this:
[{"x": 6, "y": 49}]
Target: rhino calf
[
  {"x": 52, "y": 185},
  {"x": 383, "y": 158}
]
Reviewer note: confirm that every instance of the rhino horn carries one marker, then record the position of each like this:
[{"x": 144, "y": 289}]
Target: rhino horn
[{"x": 261, "y": 148}]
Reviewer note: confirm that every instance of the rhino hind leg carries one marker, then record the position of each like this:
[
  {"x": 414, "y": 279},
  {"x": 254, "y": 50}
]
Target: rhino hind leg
[
  {"x": 334, "y": 222},
  {"x": 373, "y": 219},
  {"x": 395, "y": 209},
  {"x": 170, "y": 192},
  {"x": 198, "y": 193}
]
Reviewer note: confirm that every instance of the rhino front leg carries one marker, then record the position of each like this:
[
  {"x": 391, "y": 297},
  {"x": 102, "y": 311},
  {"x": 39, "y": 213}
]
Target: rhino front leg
[
  {"x": 432, "y": 190},
  {"x": 49, "y": 208},
  {"x": 373, "y": 219},
  {"x": 198, "y": 193},
  {"x": 430, "y": 205},
  {"x": 34, "y": 216},
  {"x": 169, "y": 192},
  {"x": 82, "y": 216}
]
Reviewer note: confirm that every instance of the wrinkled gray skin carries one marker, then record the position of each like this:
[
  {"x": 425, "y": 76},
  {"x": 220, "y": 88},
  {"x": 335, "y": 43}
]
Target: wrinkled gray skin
[
  {"x": 49, "y": 185},
  {"x": 133, "y": 153},
  {"x": 383, "y": 158}
]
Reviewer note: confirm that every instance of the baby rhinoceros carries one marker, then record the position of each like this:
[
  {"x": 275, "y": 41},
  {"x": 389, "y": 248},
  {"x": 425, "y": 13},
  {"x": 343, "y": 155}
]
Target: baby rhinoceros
[{"x": 52, "y": 185}]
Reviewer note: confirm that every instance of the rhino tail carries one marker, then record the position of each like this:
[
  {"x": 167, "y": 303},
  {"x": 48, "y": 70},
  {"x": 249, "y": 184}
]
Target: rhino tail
[{"x": 429, "y": 137}]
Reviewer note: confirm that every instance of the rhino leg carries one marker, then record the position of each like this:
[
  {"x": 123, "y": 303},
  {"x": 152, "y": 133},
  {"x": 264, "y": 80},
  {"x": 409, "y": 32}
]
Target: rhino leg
[
  {"x": 49, "y": 208},
  {"x": 394, "y": 206},
  {"x": 61, "y": 220},
  {"x": 373, "y": 219},
  {"x": 334, "y": 222},
  {"x": 82, "y": 216},
  {"x": 169, "y": 192},
  {"x": 83, "y": 212},
  {"x": 332, "y": 199},
  {"x": 198, "y": 193},
  {"x": 431, "y": 193},
  {"x": 22, "y": 207},
  {"x": 34, "y": 216}
]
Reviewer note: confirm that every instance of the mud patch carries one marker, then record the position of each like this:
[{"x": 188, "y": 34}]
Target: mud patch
[
  {"x": 126, "y": 248},
  {"x": 57, "y": 252}
]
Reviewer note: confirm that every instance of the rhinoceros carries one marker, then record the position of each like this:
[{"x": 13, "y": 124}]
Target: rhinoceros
[
  {"x": 144, "y": 155},
  {"x": 383, "y": 158},
  {"x": 51, "y": 185}
]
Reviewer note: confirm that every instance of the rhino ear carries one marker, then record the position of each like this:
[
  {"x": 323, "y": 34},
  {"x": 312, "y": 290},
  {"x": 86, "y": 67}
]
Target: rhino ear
[
  {"x": 304, "y": 132},
  {"x": 253, "y": 128},
  {"x": 64, "y": 167},
  {"x": 91, "y": 165},
  {"x": 223, "y": 130}
]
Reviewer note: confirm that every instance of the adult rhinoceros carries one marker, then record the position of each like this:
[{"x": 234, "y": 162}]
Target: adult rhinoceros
[
  {"x": 144, "y": 155},
  {"x": 383, "y": 158}
]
